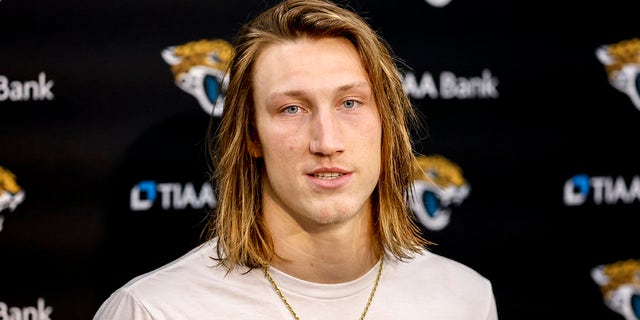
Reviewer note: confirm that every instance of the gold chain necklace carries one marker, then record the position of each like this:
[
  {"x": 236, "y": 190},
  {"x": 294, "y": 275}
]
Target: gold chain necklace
[{"x": 293, "y": 313}]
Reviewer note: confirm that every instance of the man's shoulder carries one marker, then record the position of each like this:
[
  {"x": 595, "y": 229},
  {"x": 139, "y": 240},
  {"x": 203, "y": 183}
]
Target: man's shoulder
[
  {"x": 437, "y": 260},
  {"x": 433, "y": 267},
  {"x": 180, "y": 289},
  {"x": 200, "y": 262},
  {"x": 442, "y": 285}
]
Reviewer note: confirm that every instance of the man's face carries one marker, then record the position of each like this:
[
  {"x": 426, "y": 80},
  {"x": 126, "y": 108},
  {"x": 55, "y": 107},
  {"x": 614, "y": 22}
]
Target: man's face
[{"x": 319, "y": 131}]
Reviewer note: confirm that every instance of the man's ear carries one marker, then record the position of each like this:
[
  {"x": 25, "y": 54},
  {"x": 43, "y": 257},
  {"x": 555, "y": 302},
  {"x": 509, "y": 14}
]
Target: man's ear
[{"x": 255, "y": 148}]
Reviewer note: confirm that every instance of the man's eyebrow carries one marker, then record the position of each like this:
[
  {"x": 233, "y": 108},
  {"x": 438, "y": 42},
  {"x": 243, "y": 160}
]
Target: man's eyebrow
[
  {"x": 289, "y": 93},
  {"x": 354, "y": 85},
  {"x": 301, "y": 93}
]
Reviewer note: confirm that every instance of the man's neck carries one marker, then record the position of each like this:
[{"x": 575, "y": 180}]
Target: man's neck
[{"x": 328, "y": 254}]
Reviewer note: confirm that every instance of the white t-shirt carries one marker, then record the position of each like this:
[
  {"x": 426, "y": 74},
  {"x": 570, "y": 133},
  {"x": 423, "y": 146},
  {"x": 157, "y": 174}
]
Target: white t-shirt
[{"x": 194, "y": 287}]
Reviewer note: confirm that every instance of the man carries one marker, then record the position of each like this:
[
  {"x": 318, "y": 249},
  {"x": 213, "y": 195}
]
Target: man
[{"x": 313, "y": 167}]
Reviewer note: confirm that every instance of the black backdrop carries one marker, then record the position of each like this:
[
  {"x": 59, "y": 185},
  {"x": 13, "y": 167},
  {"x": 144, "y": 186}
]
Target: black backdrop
[{"x": 89, "y": 113}]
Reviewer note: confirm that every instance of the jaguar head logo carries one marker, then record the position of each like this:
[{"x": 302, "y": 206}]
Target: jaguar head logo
[
  {"x": 199, "y": 68},
  {"x": 620, "y": 286},
  {"x": 438, "y": 185},
  {"x": 11, "y": 194},
  {"x": 622, "y": 64}
]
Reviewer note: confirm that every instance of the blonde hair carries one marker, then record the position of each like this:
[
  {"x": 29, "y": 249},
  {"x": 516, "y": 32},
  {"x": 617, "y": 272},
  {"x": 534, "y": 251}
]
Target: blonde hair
[{"x": 236, "y": 222}]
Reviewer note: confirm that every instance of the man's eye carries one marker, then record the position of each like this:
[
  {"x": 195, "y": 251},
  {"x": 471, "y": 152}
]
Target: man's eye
[
  {"x": 350, "y": 104},
  {"x": 292, "y": 109}
]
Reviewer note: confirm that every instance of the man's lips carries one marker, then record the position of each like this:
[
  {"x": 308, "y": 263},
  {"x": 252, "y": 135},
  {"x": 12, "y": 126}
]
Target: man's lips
[{"x": 328, "y": 173}]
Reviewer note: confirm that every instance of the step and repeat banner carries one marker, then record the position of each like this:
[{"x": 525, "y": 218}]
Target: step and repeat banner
[{"x": 531, "y": 118}]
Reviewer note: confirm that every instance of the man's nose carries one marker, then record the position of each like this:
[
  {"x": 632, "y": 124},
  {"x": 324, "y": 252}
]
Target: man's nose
[{"x": 327, "y": 136}]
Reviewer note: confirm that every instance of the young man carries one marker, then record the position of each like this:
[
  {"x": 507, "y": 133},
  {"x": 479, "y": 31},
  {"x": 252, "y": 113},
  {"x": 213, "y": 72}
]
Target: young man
[{"x": 313, "y": 167}]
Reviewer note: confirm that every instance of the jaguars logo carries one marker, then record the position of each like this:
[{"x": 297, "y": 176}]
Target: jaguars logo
[
  {"x": 438, "y": 185},
  {"x": 620, "y": 286},
  {"x": 11, "y": 194},
  {"x": 199, "y": 68},
  {"x": 622, "y": 64}
]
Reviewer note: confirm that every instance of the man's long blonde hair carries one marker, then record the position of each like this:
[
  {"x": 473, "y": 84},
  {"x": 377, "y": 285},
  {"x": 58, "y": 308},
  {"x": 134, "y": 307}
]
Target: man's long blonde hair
[{"x": 242, "y": 237}]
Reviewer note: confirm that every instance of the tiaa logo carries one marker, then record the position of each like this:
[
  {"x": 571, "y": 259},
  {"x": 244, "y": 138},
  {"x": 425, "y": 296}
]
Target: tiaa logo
[
  {"x": 620, "y": 286},
  {"x": 437, "y": 185},
  {"x": 199, "y": 68},
  {"x": 11, "y": 194},
  {"x": 622, "y": 64}
]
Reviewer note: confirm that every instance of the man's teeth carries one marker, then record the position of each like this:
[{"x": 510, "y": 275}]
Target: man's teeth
[{"x": 327, "y": 175}]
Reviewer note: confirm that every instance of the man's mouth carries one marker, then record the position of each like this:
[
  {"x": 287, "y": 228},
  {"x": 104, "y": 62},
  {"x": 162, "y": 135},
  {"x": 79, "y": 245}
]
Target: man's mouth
[{"x": 328, "y": 175}]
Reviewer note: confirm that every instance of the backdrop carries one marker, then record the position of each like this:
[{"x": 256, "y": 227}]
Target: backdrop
[{"x": 531, "y": 115}]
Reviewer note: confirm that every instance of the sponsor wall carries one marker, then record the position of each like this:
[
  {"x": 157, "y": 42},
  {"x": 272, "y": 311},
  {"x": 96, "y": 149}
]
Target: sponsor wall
[{"x": 531, "y": 121}]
